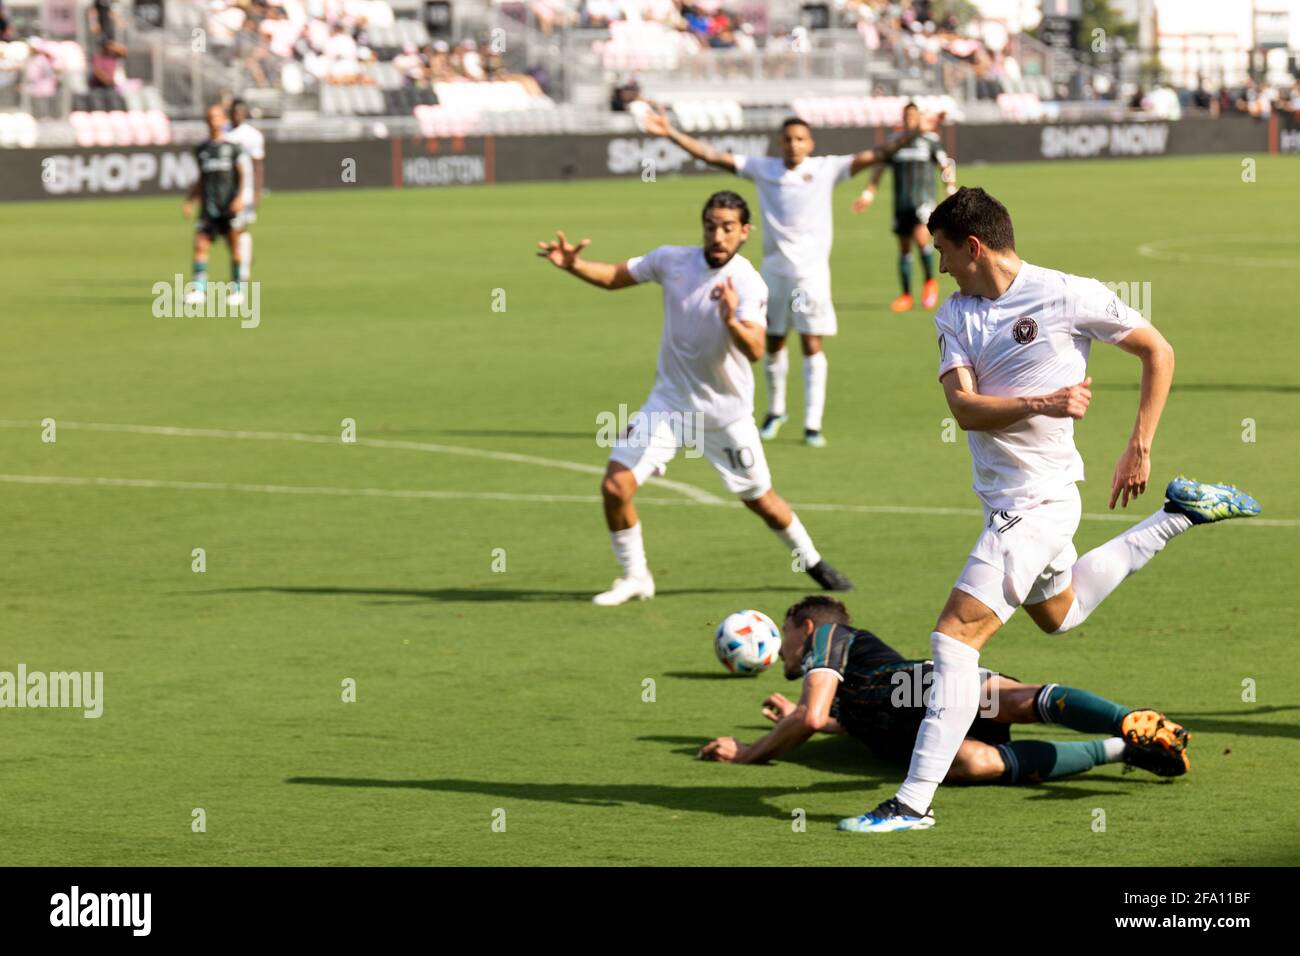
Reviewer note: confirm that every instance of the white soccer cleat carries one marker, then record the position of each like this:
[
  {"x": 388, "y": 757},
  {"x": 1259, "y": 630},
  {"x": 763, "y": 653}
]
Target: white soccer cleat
[{"x": 639, "y": 588}]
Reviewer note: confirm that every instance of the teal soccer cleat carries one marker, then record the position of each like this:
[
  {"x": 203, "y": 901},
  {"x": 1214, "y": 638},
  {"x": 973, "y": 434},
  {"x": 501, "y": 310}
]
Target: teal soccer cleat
[
  {"x": 771, "y": 427},
  {"x": 888, "y": 817},
  {"x": 1204, "y": 503}
]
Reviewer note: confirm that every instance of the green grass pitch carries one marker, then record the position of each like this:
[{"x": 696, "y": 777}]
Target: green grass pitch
[{"x": 480, "y": 691}]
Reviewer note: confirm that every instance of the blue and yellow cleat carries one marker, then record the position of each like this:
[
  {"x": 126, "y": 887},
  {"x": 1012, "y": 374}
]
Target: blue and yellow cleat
[
  {"x": 1204, "y": 503},
  {"x": 888, "y": 817}
]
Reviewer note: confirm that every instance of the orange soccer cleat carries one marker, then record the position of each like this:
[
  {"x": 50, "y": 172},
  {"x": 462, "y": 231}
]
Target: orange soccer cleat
[
  {"x": 902, "y": 303},
  {"x": 930, "y": 293}
]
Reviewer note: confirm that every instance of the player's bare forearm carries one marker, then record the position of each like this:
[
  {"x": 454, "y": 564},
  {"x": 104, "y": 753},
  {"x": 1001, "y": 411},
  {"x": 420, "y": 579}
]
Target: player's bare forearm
[
  {"x": 982, "y": 413},
  {"x": 603, "y": 275},
  {"x": 789, "y": 732},
  {"x": 870, "y": 157},
  {"x": 1157, "y": 357},
  {"x": 703, "y": 151},
  {"x": 750, "y": 338}
]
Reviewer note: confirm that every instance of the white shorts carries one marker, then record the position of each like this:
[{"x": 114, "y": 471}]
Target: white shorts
[
  {"x": 735, "y": 451},
  {"x": 803, "y": 302},
  {"x": 1023, "y": 556}
]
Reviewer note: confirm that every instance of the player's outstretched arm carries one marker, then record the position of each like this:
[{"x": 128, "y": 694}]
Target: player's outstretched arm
[
  {"x": 869, "y": 157},
  {"x": 1134, "y": 466},
  {"x": 984, "y": 413},
  {"x": 565, "y": 255},
  {"x": 811, "y": 715},
  {"x": 656, "y": 124},
  {"x": 777, "y": 706}
]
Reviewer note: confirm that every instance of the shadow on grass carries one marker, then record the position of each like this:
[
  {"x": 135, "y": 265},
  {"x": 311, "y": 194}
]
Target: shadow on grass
[
  {"x": 1205, "y": 722},
  {"x": 726, "y": 799},
  {"x": 473, "y": 595}
]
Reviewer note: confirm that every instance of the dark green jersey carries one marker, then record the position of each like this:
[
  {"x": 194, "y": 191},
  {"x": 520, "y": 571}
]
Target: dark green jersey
[
  {"x": 913, "y": 167},
  {"x": 219, "y": 162}
]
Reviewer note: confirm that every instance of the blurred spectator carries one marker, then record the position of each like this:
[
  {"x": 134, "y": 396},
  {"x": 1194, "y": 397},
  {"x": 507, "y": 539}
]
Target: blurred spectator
[
  {"x": 6, "y": 23},
  {"x": 40, "y": 81},
  {"x": 106, "y": 63}
]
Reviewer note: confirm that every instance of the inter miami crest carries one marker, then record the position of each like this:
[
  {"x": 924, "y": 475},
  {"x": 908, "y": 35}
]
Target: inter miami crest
[{"x": 1025, "y": 330}]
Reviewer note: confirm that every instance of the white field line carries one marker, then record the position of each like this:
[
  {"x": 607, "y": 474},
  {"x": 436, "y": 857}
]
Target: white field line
[
  {"x": 690, "y": 491},
  {"x": 71, "y": 481},
  {"x": 694, "y": 496}
]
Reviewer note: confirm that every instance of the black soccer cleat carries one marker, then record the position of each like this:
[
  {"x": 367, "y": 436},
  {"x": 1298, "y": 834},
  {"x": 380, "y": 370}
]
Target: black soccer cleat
[
  {"x": 1162, "y": 763},
  {"x": 829, "y": 578}
]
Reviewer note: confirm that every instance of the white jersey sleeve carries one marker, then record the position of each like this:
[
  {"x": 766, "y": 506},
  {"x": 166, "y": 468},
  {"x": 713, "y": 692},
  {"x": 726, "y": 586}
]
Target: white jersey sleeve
[
  {"x": 649, "y": 267},
  {"x": 753, "y": 300},
  {"x": 841, "y": 167},
  {"x": 256, "y": 144},
  {"x": 1098, "y": 313},
  {"x": 952, "y": 351}
]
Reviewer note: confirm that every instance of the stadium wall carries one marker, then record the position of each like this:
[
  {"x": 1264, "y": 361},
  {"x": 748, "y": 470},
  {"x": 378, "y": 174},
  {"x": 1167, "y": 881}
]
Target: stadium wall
[{"x": 33, "y": 174}]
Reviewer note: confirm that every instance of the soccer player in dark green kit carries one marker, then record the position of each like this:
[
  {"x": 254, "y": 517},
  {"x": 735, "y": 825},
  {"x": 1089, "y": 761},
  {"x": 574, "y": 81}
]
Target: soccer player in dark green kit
[
  {"x": 856, "y": 684},
  {"x": 913, "y": 203},
  {"x": 223, "y": 166}
]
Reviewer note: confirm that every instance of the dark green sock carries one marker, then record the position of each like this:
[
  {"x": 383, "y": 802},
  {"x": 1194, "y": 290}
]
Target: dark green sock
[
  {"x": 1031, "y": 761},
  {"x": 927, "y": 261},
  {"x": 1078, "y": 710},
  {"x": 905, "y": 272}
]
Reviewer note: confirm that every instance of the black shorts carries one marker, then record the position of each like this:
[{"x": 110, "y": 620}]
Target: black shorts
[
  {"x": 890, "y": 731},
  {"x": 221, "y": 225},
  {"x": 907, "y": 219}
]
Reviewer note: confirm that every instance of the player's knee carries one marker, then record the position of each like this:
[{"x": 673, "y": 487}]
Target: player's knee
[
  {"x": 615, "y": 489},
  {"x": 976, "y": 765}
]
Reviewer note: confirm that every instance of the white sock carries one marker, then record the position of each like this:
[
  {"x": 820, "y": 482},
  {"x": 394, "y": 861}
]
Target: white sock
[
  {"x": 1113, "y": 747},
  {"x": 629, "y": 549},
  {"x": 245, "y": 256},
  {"x": 797, "y": 538},
  {"x": 1101, "y": 570},
  {"x": 952, "y": 704},
  {"x": 814, "y": 391},
  {"x": 776, "y": 366}
]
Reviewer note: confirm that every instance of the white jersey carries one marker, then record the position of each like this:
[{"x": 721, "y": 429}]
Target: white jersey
[
  {"x": 254, "y": 146},
  {"x": 1031, "y": 340},
  {"x": 701, "y": 368},
  {"x": 798, "y": 226}
]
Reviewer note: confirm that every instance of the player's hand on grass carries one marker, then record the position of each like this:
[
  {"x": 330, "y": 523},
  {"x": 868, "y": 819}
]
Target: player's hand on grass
[
  {"x": 1069, "y": 402},
  {"x": 777, "y": 706},
  {"x": 728, "y": 299},
  {"x": 723, "y": 750},
  {"x": 863, "y": 202},
  {"x": 1131, "y": 475},
  {"x": 561, "y": 253}
]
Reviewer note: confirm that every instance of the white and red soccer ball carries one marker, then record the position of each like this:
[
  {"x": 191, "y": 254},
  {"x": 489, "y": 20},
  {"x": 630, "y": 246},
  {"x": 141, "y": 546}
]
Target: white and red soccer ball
[{"x": 747, "y": 642}]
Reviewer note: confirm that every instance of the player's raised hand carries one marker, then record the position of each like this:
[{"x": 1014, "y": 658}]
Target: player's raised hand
[
  {"x": 863, "y": 202},
  {"x": 728, "y": 299},
  {"x": 1131, "y": 474},
  {"x": 561, "y": 253},
  {"x": 777, "y": 706},
  {"x": 656, "y": 123},
  {"x": 1069, "y": 402},
  {"x": 723, "y": 750}
]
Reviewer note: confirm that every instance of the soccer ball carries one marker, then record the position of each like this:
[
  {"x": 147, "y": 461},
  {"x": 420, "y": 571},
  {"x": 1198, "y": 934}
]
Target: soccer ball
[{"x": 747, "y": 642}]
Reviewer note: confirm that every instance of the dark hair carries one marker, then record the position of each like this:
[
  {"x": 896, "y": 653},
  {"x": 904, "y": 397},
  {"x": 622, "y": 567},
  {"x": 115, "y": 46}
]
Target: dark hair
[
  {"x": 909, "y": 105},
  {"x": 237, "y": 104},
  {"x": 973, "y": 212},
  {"x": 820, "y": 609},
  {"x": 795, "y": 121},
  {"x": 726, "y": 199}
]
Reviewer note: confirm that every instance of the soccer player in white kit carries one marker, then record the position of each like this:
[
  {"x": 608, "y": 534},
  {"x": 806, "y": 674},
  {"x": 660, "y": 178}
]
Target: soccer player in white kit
[
  {"x": 798, "y": 228},
  {"x": 1013, "y": 355},
  {"x": 253, "y": 143},
  {"x": 713, "y": 304}
]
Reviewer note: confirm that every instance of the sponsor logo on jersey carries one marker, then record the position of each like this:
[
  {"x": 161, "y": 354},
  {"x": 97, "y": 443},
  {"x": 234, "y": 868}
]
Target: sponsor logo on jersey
[{"x": 1025, "y": 330}]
